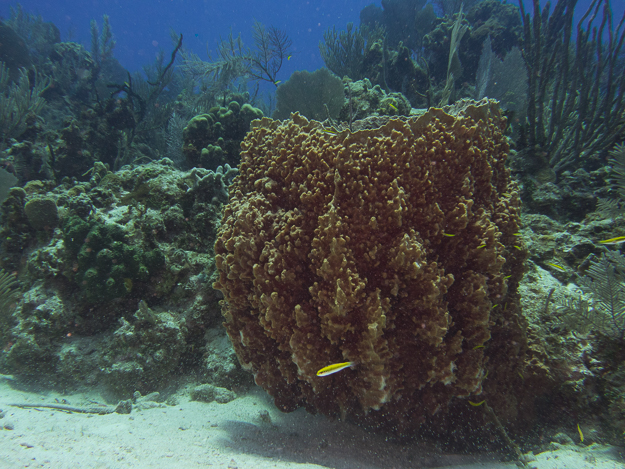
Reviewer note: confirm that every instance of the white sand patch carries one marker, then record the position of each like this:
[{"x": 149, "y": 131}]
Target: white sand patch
[
  {"x": 246, "y": 433},
  {"x": 580, "y": 457}
]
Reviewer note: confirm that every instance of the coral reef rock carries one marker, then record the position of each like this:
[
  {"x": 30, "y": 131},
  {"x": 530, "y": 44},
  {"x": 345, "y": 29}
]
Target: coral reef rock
[
  {"x": 116, "y": 276},
  {"x": 214, "y": 139},
  {"x": 366, "y": 100},
  {"x": 394, "y": 248}
]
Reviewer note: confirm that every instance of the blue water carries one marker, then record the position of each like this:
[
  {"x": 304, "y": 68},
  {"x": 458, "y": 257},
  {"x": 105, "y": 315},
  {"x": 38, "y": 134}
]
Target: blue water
[{"x": 142, "y": 27}]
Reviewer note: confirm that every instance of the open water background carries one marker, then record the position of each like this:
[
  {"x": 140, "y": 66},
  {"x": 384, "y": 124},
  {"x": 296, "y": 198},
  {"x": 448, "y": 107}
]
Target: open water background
[{"x": 142, "y": 27}]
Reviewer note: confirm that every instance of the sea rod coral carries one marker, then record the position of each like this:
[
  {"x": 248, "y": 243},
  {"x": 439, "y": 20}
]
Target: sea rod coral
[{"x": 395, "y": 248}]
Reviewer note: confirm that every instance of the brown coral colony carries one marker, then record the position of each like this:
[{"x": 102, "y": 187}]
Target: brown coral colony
[{"x": 393, "y": 248}]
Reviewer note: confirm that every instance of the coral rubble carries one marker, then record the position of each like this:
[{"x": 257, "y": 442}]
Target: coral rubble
[{"x": 393, "y": 248}]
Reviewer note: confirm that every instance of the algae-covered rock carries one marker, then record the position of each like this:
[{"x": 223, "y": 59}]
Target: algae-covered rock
[
  {"x": 210, "y": 393},
  {"x": 103, "y": 264},
  {"x": 220, "y": 365},
  {"x": 42, "y": 213},
  {"x": 42, "y": 315},
  {"x": 147, "y": 349},
  {"x": 119, "y": 292}
]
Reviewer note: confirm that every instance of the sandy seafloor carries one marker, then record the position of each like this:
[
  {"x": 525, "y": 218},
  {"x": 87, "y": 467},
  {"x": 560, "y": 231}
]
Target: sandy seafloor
[{"x": 234, "y": 435}]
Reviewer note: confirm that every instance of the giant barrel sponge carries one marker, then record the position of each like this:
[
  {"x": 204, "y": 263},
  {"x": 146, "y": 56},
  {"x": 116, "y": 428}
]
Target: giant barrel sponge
[{"x": 395, "y": 248}]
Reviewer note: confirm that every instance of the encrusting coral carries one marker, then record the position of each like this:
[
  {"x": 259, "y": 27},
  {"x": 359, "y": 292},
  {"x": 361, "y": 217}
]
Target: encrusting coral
[{"x": 394, "y": 248}]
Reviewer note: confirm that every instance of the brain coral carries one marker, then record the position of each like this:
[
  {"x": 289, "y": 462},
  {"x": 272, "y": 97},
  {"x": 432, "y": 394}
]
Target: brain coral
[{"x": 393, "y": 248}]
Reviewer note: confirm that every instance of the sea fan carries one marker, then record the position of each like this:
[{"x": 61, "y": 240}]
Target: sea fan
[
  {"x": 605, "y": 281},
  {"x": 9, "y": 293},
  {"x": 617, "y": 160},
  {"x": 173, "y": 136},
  {"x": 611, "y": 208}
]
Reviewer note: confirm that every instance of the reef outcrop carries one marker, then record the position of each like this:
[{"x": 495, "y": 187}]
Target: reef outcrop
[
  {"x": 115, "y": 274},
  {"x": 395, "y": 248}
]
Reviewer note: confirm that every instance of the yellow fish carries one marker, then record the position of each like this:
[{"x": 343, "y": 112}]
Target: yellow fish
[
  {"x": 393, "y": 107},
  {"x": 448, "y": 235},
  {"x": 617, "y": 240},
  {"x": 289, "y": 57},
  {"x": 277, "y": 82},
  {"x": 334, "y": 368},
  {"x": 556, "y": 266},
  {"x": 330, "y": 131},
  {"x": 476, "y": 404},
  {"x": 581, "y": 435}
]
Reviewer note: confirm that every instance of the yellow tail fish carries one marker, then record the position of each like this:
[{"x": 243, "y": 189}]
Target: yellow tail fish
[
  {"x": 476, "y": 404},
  {"x": 617, "y": 240},
  {"x": 334, "y": 368}
]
